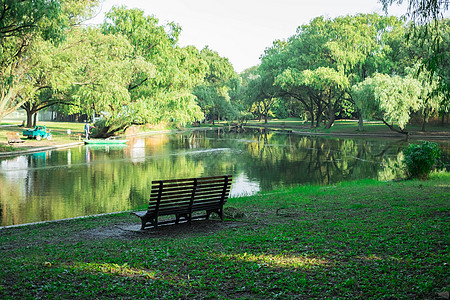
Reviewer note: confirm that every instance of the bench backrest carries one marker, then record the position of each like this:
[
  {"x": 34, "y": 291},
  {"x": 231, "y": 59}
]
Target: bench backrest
[{"x": 188, "y": 195}]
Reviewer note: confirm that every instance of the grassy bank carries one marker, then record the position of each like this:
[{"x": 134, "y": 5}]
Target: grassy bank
[
  {"x": 58, "y": 130},
  {"x": 362, "y": 239},
  {"x": 351, "y": 127},
  {"x": 60, "y": 136}
]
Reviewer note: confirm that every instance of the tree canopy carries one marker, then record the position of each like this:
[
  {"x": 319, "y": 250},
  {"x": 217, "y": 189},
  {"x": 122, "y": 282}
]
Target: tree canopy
[
  {"x": 388, "y": 98},
  {"x": 26, "y": 28},
  {"x": 132, "y": 71}
]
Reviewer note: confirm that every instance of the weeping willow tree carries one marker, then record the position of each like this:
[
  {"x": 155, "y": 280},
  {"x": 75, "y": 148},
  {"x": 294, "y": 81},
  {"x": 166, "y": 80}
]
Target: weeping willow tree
[
  {"x": 390, "y": 99},
  {"x": 429, "y": 30}
]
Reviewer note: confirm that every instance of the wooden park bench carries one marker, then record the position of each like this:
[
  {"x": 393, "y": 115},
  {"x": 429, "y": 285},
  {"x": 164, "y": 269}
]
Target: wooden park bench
[
  {"x": 183, "y": 197},
  {"x": 13, "y": 137}
]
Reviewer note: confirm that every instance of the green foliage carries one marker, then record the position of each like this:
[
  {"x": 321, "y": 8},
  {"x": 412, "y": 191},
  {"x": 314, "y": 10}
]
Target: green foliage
[
  {"x": 20, "y": 18},
  {"x": 160, "y": 82},
  {"x": 317, "y": 66},
  {"x": 428, "y": 42},
  {"x": 219, "y": 85},
  {"x": 420, "y": 160},
  {"x": 28, "y": 30},
  {"x": 389, "y": 99},
  {"x": 430, "y": 48}
]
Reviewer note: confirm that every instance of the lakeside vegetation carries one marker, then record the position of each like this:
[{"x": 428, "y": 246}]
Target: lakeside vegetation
[
  {"x": 350, "y": 127},
  {"x": 363, "y": 239},
  {"x": 60, "y": 135},
  {"x": 133, "y": 70}
]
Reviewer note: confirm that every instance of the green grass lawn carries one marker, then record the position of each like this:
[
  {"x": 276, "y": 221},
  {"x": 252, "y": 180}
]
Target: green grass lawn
[
  {"x": 364, "y": 239},
  {"x": 345, "y": 126}
]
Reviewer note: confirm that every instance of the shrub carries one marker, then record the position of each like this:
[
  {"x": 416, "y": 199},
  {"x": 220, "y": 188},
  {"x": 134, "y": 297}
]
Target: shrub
[{"x": 420, "y": 160}]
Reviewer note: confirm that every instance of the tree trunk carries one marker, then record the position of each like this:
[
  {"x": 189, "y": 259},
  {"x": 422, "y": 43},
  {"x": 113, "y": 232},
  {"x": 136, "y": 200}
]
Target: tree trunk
[
  {"x": 319, "y": 119},
  {"x": 444, "y": 116},
  {"x": 319, "y": 114},
  {"x": 31, "y": 110},
  {"x": 331, "y": 118},
  {"x": 311, "y": 111},
  {"x": 426, "y": 116},
  {"x": 330, "y": 123},
  {"x": 107, "y": 131},
  {"x": 360, "y": 122},
  {"x": 29, "y": 118},
  {"x": 395, "y": 129},
  {"x": 35, "y": 115},
  {"x": 28, "y": 109}
]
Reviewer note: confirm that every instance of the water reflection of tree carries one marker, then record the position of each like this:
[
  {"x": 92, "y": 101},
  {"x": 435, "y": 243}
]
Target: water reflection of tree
[
  {"x": 105, "y": 184},
  {"x": 55, "y": 189},
  {"x": 315, "y": 160}
]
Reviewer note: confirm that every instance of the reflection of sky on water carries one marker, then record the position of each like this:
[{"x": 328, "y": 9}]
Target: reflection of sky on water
[
  {"x": 137, "y": 151},
  {"x": 243, "y": 186},
  {"x": 15, "y": 168}
]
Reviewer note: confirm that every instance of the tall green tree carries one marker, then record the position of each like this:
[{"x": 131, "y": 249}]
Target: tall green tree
[
  {"x": 390, "y": 99},
  {"x": 429, "y": 28},
  {"x": 162, "y": 77},
  {"x": 213, "y": 95},
  {"x": 421, "y": 11},
  {"x": 326, "y": 57},
  {"x": 262, "y": 92},
  {"x": 433, "y": 62},
  {"x": 240, "y": 96},
  {"x": 23, "y": 26}
]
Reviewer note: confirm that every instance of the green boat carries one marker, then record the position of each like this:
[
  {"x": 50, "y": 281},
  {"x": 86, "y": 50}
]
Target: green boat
[{"x": 104, "y": 142}]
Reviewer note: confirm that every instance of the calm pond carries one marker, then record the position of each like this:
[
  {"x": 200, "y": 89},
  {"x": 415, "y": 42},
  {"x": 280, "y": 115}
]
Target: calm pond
[{"x": 88, "y": 180}]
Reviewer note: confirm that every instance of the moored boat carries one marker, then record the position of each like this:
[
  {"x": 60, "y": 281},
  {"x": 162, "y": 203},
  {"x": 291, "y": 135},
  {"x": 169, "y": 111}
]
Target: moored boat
[{"x": 104, "y": 141}]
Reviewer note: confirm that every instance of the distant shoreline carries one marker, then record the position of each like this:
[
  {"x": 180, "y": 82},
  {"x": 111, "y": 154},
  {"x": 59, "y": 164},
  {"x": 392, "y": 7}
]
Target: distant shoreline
[{"x": 60, "y": 143}]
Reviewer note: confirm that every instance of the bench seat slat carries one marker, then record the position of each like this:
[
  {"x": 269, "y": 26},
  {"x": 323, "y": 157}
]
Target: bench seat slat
[
  {"x": 198, "y": 193},
  {"x": 181, "y": 200},
  {"x": 212, "y": 200}
]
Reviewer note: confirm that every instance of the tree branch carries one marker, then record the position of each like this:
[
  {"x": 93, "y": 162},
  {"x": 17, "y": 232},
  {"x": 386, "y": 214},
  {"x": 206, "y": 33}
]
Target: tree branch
[{"x": 393, "y": 128}]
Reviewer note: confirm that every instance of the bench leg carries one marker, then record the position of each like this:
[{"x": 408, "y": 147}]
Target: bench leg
[
  {"x": 178, "y": 218},
  {"x": 146, "y": 219},
  {"x": 218, "y": 211}
]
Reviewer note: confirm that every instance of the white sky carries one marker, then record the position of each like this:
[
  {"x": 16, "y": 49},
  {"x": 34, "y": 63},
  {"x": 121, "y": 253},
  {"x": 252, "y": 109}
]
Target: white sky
[{"x": 241, "y": 29}]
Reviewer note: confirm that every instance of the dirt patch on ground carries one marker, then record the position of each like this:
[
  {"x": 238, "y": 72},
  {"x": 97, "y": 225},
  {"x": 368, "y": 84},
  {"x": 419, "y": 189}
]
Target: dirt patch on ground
[{"x": 133, "y": 231}]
